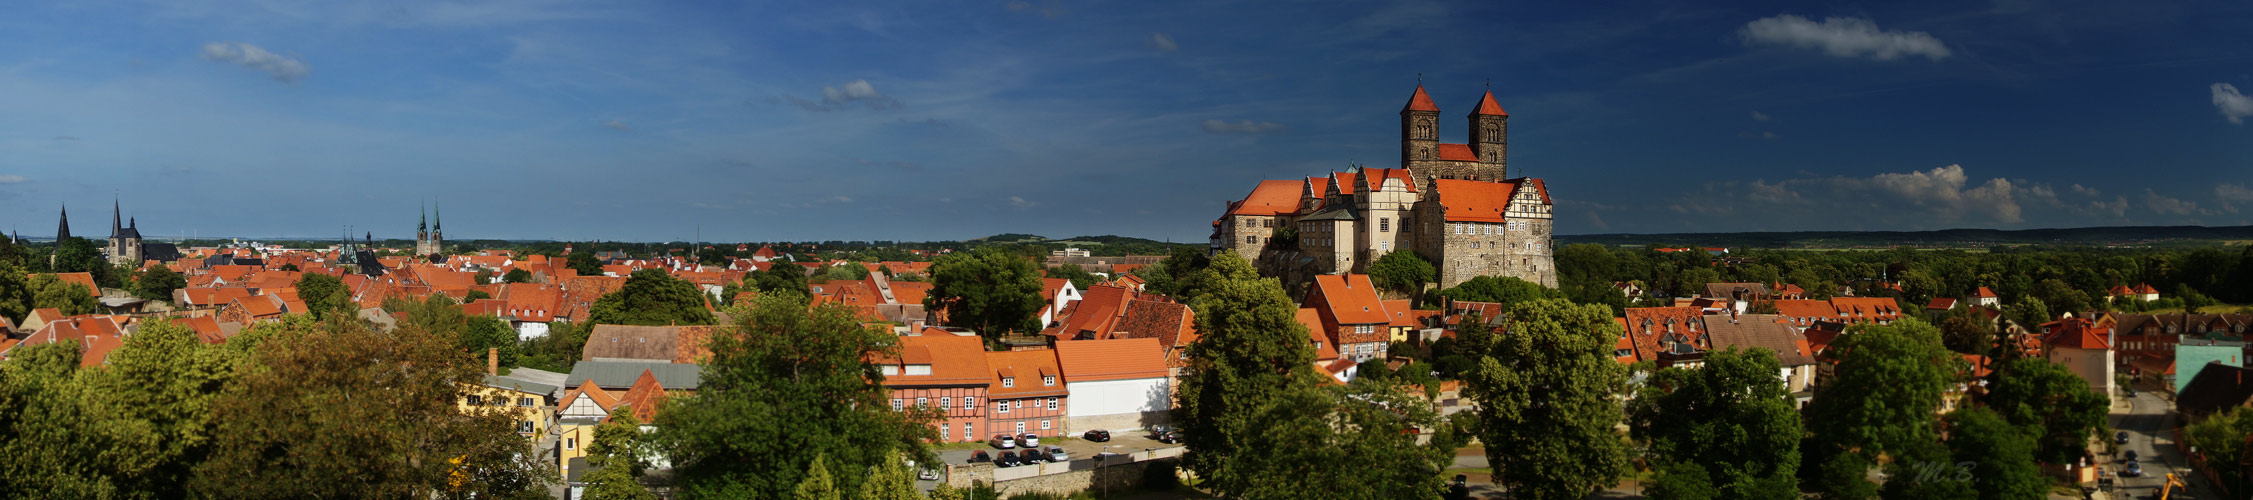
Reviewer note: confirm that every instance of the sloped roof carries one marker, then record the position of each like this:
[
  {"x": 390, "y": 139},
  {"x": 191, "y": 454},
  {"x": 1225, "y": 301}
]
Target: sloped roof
[
  {"x": 644, "y": 396},
  {"x": 1474, "y": 201},
  {"x": 1270, "y": 198},
  {"x": 1377, "y": 177},
  {"x": 1647, "y": 327},
  {"x": 1174, "y": 325},
  {"x": 1027, "y": 367},
  {"x": 679, "y": 344},
  {"x": 1420, "y": 101},
  {"x": 1941, "y": 304},
  {"x": 1312, "y": 320},
  {"x": 2216, "y": 387},
  {"x": 1487, "y": 106},
  {"x": 621, "y": 374},
  {"x": 1457, "y": 152},
  {"x": 588, "y": 389},
  {"x": 1804, "y": 312},
  {"x": 206, "y": 328},
  {"x": 1351, "y": 299},
  {"x": 954, "y": 360},
  {"x": 1759, "y": 330},
  {"x": 85, "y": 279},
  {"x": 2078, "y": 333},
  {"x": 1984, "y": 293},
  {"x": 1115, "y": 359}
]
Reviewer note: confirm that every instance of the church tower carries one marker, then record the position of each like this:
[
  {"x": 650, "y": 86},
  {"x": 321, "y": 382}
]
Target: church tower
[
  {"x": 62, "y": 231},
  {"x": 1490, "y": 132},
  {"x": 1419, "y": 129}
]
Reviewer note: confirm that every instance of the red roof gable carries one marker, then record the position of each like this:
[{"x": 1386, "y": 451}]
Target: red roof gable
[
  {"x": 1984, "y": 293},
  {"x": 644, "y": 396},
  {"x": 1457, "y": 152},
  {"x": 1118, "y": 359},
  {"x": 1312, "y": 320},
  {"x": 1421, "y": 101},
  {"x": 953, "y": 360},
  {"x": 2079, "y": 333},
  {"x": 1270, "y": 198},
  {"x": 1349, "y": 299},
  {"x": 1487, "y": 106},
  {"x": 1027, "y": 367},
  {"x": 1474, "y": 201}
]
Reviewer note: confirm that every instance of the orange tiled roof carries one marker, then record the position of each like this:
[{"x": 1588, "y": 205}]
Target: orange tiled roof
[
  {"x": 587, "y": 388},
  {"x": 1312, "y": 319},
  {"x": 1115, "y": 359},
  {"x": 206, "y": 328},
  {"x": 644, "y": 396},
  {"x": 1647, "y": 327},
  {"x": 2079, "y": 333},
  {"x": 1984, "y": 293},
  {"x": 954, "y": 360},
  {"x": 86, "y": 279},
  {"x": 1350, "y": 299},
  {"x": 1474, "y": 201},
  {"x": 1487, "y": 106},
  {"x": 1457, "y": 152},
  {"x": 1027, "y": 367},
  {"x": 1270, "y": 198},
  {"x": 1421, "y": 101}
]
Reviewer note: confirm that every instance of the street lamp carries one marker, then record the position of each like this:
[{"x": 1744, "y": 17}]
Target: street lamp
[{"x": 1103, "y": 460}]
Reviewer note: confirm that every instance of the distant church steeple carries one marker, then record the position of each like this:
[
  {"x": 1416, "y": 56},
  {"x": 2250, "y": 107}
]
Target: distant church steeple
[{"x": 62, "y": 231}]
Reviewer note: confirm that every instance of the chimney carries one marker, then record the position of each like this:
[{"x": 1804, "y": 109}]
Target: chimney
[{"x": 492, "y": 361}]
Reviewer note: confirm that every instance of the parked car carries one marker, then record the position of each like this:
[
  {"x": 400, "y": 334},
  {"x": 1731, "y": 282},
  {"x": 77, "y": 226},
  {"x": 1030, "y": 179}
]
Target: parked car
[
  {"x": 2130, "y": 454},
  {"x": 1003, "y": 441},
  {"x": 1008, "y": 459},
  {"x": 2121, "y": 437},
  {"x": 1168, "y": 436},
  {"x": 979, "y": 456},
  {"x": 1056, "y": 454},
  {"x": 2132, "y": 470},
  {"x": 1028, "y": 440},
  {"x": 1098, "y": 435},
  {"x": 1032, "y": 456},
  {"x": 927, "y": 474}
]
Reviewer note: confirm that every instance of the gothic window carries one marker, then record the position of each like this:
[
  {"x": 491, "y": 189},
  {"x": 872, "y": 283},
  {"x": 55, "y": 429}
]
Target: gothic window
[{"x": 1423, "y": 129}]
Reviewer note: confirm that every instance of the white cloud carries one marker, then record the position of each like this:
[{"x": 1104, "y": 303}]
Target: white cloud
[
  {"x": 1843, "y": 37},
  {"x": 11, "y": 179},
  {"x": 2231, "y": 192},
  {"x": 616, "y": 124},
  {"x": 1941, "y": 195},
  {"x": 1760, "y": 117},
  {"x": 1242, "y": 127},
  {"x": 1163, "y": 43},
  {"x": 2163, "y": 204},
  {"x": 839, "y": 199},
  {"x": 2085, "y": 191},
  {"x": 251, "y": 56},
  {"x": 1022, "y": 203},
  {"x": 838, "y": 97},
  {"x": 2118, "y": 207},
  {"x": 2234, "y": 105}
]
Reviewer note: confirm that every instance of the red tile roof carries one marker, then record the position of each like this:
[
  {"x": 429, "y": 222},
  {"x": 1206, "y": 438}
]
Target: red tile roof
[
  {"x": 954, "y": 360},
  {"x": 1646, "y": 328},
  {"x": 1348, "y": 299},
  {"x": 1984, "y": 293},
  {"x": 1475, "y": 201},
  {"x": 1118, "y": 359},
  {"x": 1027, "y": 367},
  {"x": 1421, "y": 101},
  {"x": 1487, "y": 106},
  {"x": 1805, "y": 312},
  {"x": 1270, "y": 198},
  {"x": 644, "y": 397},
  {"x": 1941, "y": 304},
  {"x": 2146, "y": 289},
  {"x": 1457, "y": 152},
  {"x": 206, "y": 328},
  {"x": 86, "y": 279},
  {"x": 1312, "y": 320},
  {"x": 2079, "y": 333}
]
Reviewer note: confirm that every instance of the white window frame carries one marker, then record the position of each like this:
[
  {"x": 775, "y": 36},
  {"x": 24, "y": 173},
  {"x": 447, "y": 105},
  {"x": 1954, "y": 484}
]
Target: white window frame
[
  {"x": 1020, "y": 427},
  {"x": 898, "y": 405},
  {"x": 1009, "y": 381},
  {"x": 1048, "y": 380},
  {"x": 922, "y": 402},
  {"x": 1001, "y": 406},
  {"x": 1044, "y": 424},
  {"x": 570, "y": 444},
  {"x": 946, "y": 402},
  {"x": 969, "y": 431},
  {"x": 1051, "y": 402}
]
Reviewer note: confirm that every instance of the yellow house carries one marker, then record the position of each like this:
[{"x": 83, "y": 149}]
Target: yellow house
[
  {"x": 580, "y": 411},
  {"x": 527, "y": 403}
]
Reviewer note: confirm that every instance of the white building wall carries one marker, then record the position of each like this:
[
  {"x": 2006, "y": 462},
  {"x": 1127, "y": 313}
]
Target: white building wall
[{"x": 1111, "y": 397}]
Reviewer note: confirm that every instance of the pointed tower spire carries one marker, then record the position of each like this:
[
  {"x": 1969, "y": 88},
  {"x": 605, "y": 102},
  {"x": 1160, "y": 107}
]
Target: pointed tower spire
[
  {"x": 424, "y": 224},
  {"x": 117, "y": 209},
  {"x": 437, "y": 219},
  {"x": 1487, "y": 106},
  {"x": 1420, "y": 101},
  {"x": 62, "y": 230}
]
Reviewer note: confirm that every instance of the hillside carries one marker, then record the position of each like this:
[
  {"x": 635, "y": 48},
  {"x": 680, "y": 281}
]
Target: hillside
[{"x": 1949, "y": 238}]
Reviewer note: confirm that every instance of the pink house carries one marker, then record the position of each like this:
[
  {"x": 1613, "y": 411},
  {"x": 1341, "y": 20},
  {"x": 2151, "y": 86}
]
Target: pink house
[
  {"x": 946, "y": 372},
  {"x": 1027, "y": 393}
]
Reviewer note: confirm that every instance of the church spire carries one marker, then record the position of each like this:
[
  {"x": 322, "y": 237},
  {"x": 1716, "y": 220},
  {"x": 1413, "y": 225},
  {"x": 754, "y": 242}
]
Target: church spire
[
  {"x": 437, "y": 220},
  {"x": 62, "y": 230},
  {"x": 423, "y": 225},
  {"x": 117, "y": 210}
]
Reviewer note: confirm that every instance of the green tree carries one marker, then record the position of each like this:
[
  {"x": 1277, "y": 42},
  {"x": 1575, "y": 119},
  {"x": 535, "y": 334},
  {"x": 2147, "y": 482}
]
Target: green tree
[
  {"x": 1503, "y": 289},
  {"x": 617, "y": 451},
  {"x": 1545, "y": 394},
  {"x": 1170, "y": 275},
  {"x": 325, "y": 296},
  {"x": 158, "y": 283},
  {"x": 558, "y": 350},
  {"x": 748, "y": 433},
  {"x": 487, "y": 332},
  {"x": 2221, "y": 438},
  {"x": 782, "y": 277},
  {"x": 338, "y": 410},
  {"x": 2030, "y": 313},
  {"x": 1729, "y": 427},
  {"x": 475, "y": 295},
  {"x": 84, "y": 450},
  {"x": 1311, "y": 428},
  {"x": 889, "y": 479},
  {"x": 70, "y": 298},
  {"x": 436, "y": 313},
  {"x": 1881, "y": 399},
  {"x": 162, "y": 380},
  {"x": 1966, "y": 334},
  {"x": 988, "y": 291},
  {"x": 2060, "y": 296},
  {"x": 2049, "y": 399},
  {"x": 1402, "y": 271},
  {"x": 584, "y": 263},
  {"x": 16, "y": 294},
  {"x": 818, "y": 484},
  {"x": 1080, "y": 277},
  {"x": 1250, "y": 352},
  {"x": 1999, "y": 455},
  {"x": 517, "y": 276},
  {"x": 652, "y": 298}
]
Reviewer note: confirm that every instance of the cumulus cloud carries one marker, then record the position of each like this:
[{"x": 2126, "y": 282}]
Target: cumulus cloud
[
  {"x": 11, "y": 179},
  {"x": 2233, "y": 193},
  {"x": 616, "y": 124},
  {"x": 2118, "y": 207},
  {"x": 1163, "y": 43},
  {"x": 1022, "y": 203},
  {"x": 1843, "y": 37},
  {"x": 839, "y": 97},
  {"x": 251, "y": 56},
  {"x": 2085, "y": 191},
  {"x": 2234, "y": 105},
  {"x": 1945, "y": 195},
  {"x": 2166, "y": 205},
  {"x": 1242, "y": 127}
]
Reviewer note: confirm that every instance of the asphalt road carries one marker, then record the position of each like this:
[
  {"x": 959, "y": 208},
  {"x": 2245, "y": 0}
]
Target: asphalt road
[{"x": 2148, "y": 420}]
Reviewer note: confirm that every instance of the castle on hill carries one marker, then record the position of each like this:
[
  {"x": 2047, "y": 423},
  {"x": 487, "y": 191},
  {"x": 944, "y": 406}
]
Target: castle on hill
[{"x": 1454, "y": 204}]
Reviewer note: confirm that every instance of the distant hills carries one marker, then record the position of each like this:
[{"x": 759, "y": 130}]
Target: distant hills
[{"x": 1947, "y": 238}]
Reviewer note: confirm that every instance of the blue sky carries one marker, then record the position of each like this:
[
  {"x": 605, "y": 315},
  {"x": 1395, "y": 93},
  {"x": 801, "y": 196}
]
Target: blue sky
[{"x": 948, "y": 120}]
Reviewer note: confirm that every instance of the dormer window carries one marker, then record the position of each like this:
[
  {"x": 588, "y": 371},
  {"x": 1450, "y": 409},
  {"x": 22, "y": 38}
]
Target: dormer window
[
  {"x": 1048, "y": 380},
  {"x": 1009, "y": 381}
]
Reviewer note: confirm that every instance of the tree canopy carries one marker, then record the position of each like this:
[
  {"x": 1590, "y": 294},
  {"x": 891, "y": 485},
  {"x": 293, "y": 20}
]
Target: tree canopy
[
  {"x": 1080, "y": 277},
  {"x": 2056, "y": 406},
  {"x": 1250, "y": 352},
  {"x": 157, "y": 283},
  {"x": 784, "y": 385},
  {"x": 325, "y": 296},
  {"x": 1503, "y": 289},
  {"x": 1881, "y": 400},
  {"x": 652, "y": 298},
  {"x": 987, "y": 290},
  {"x": 1729, "y": 427},
  {"x": 1402, "y": 271},
  {"x": 1545, "y": 385}
]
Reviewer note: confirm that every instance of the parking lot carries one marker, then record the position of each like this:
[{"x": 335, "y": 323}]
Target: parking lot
[{"x": 1077, "y": 449}]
